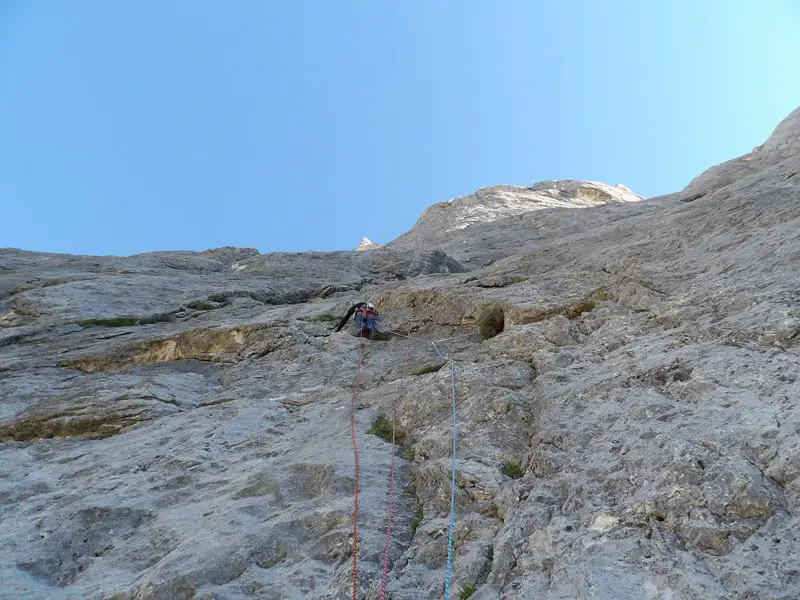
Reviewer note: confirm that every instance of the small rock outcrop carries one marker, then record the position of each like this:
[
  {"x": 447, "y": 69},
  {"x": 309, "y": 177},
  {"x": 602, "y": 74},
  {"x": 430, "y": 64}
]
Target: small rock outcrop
[
  {"x": 177, "y": 425},
  {"x": 366, "y": 244}
]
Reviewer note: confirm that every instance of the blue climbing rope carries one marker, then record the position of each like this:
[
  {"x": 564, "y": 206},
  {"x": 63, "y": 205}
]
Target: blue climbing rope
[{"x": 452, "y": 490}]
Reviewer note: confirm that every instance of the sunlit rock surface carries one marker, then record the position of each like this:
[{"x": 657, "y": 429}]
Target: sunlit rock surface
[{"x": 176, "y": 425}]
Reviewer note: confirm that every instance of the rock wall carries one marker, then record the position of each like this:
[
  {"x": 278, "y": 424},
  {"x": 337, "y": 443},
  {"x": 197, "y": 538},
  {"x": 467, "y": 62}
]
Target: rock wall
[{"x": 177, "y": 425}]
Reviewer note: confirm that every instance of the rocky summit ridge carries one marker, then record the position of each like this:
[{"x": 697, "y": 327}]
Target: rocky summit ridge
[{"x": 176, "y": 425}]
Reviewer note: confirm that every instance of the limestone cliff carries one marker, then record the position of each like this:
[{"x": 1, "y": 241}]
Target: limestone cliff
[{"x": 176, "y": 425}]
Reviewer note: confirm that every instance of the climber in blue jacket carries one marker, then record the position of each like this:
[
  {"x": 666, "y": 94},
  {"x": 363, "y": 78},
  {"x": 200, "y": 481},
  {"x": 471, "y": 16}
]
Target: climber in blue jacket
[{"x": 365, "y": 318}]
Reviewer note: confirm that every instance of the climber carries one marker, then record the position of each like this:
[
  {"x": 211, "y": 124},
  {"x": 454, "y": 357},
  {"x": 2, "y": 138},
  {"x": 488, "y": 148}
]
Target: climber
[{"x": 365, "y": 317}]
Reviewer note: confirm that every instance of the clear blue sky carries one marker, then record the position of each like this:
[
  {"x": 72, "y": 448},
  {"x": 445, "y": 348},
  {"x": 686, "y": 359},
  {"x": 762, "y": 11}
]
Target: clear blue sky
[{"x": 187, "y": 124}]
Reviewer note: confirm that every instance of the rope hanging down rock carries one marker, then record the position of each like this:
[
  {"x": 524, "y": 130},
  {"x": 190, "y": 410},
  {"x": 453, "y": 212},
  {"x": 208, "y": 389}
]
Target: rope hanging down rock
[
  {"x": 452, "y": 488},
  {"x": 387, "y": 540},
  {"x": 384, "y": 573},
  {"x": 355, "y": 454}
]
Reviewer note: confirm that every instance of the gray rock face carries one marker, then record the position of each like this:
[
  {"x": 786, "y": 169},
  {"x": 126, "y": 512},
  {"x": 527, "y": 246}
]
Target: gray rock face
[
  {"x": 782, "y": 145},
  {"x": 478, "y": 228},
  {"x": 176, "y": 425}
]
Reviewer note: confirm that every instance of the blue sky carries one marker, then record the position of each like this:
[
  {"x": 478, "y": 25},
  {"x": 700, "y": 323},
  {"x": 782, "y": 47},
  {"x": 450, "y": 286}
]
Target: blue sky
[{"x": 135, "y": 126}]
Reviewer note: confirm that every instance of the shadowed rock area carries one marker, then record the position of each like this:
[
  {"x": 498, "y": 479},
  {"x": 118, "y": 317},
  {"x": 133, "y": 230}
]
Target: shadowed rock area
[{"x": 176, "y": 425}]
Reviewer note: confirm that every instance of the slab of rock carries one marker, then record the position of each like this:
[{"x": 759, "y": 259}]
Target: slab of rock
[{"x": 177, "y": 425}]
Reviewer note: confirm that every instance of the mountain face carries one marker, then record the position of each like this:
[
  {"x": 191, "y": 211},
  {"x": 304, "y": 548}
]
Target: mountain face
[
  {"x": 505, "y": 213},
  {"x": 780, "y": 150},
  {"x": 177, "y": 425}
]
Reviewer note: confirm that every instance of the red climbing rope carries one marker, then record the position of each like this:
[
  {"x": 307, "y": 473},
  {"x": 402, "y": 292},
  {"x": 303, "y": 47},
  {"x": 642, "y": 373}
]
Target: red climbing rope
[
  {"x": 355, "y": 453},
  {"x": 356, "y": 385},
  {"x": 385, "y": 573}
]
